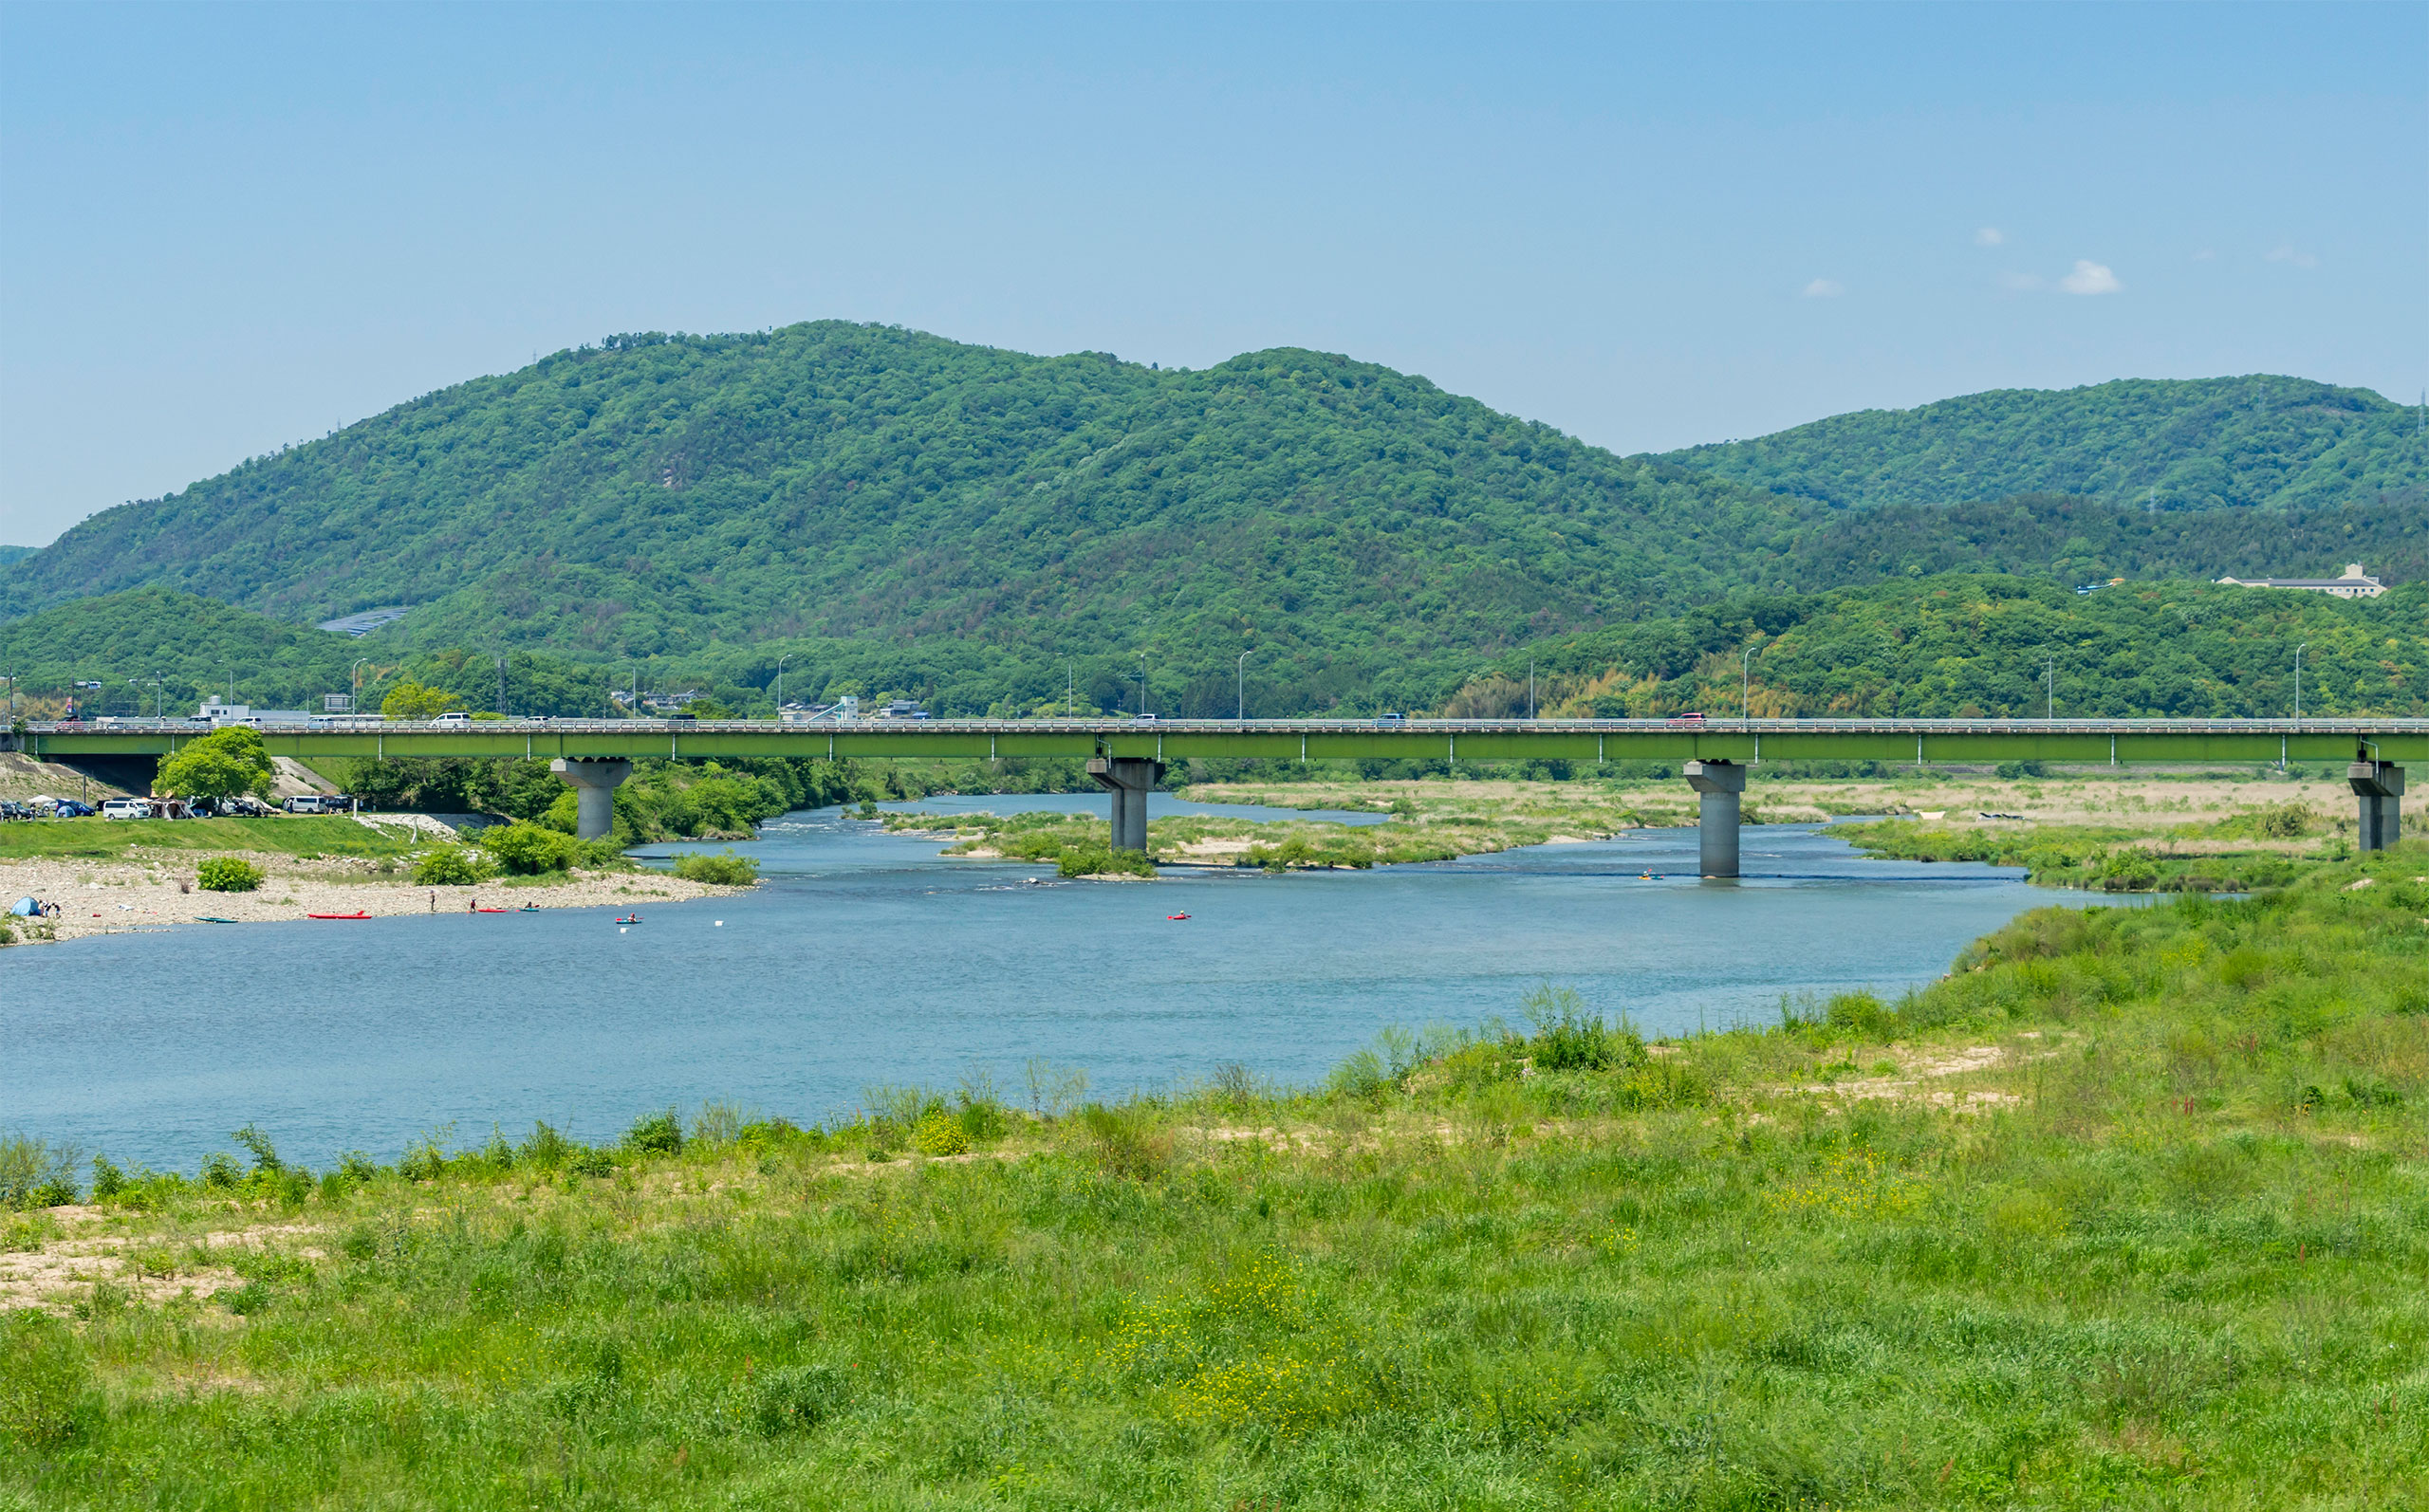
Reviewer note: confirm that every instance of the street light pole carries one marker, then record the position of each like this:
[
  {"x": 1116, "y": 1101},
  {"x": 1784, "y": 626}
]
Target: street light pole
[
  {"x": 354, "y": 681},
  {"x": 2049, "y": 705},
  {"x": 779, "y": 687},
  {"x": 2298, "y": 679},
  {"x": 1530, "y": 688},
  {"x": 1745, "y": 688},
  {"x": 1070, "y": 686},
  {"x": 1240, "y": 687},
  {"x": 1142, "y": 684}
]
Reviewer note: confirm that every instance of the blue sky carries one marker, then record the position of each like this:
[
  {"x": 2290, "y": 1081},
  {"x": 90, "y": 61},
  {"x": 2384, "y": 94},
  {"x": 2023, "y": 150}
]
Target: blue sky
[{"x": 224, "y": 228}]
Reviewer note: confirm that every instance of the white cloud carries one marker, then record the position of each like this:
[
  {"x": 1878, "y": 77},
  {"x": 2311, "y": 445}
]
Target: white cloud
[
  {"x": 1825, "y": 288},
  {"x": 1989, "y": 236},
  {"x": 2286, "y": 254},
  {"x": 2090, "y": 278}
]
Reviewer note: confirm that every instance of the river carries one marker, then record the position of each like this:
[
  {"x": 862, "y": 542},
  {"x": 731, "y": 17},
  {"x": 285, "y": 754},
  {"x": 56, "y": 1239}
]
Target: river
[{"x": 866, "y": 958}]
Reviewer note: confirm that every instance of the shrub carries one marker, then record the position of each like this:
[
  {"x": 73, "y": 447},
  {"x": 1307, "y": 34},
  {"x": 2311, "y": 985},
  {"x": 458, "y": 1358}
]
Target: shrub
[
  {"x": 941, "y": 1133},
  {"x": 1861, "y": 1013},
  {"x": 1077, "y": 862},
  {"x": 660, "y": 1133},
  {"x": 451, "y": 866},
  {"x": 723, "y": 870},
  {"x": 1124, "y": 1145},
  {"x": 35, "y": 1174},
  {"x": 529, "y": 850},
  {"x": 227, "y": 874},
  {"x": 1568, "y": 1037}
]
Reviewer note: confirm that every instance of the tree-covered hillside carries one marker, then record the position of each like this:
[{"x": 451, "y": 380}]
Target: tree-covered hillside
[
  {"x": 666, "y": 496},
  {"x": 1956, "y": 644},
  {"x": 1969, "y": 646},
  {"x": 10, "y": 554},
  {"x": 157, "y": 649},
  {"x": 2260, "y": 440},
  {"x": 2079, "y": 540}
]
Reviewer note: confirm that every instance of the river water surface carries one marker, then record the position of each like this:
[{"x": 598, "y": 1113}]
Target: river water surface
[{"x": 865, "y": 958}]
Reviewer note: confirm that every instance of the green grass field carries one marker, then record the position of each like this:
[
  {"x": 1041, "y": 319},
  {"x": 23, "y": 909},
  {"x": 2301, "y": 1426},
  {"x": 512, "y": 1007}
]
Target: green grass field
[
  {"x": 291, "y": 835},
  {"x": 2129, "y": 1211}
]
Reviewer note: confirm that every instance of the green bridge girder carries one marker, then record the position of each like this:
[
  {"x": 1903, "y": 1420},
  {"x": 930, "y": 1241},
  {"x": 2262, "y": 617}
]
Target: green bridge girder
[{"x": 1923, "y": 741}]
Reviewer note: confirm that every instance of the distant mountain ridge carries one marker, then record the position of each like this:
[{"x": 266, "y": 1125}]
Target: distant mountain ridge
[
  {"x": 2258, "y": 441},
  {"x": 663, "y": 496},
  {"x": 889, "y": 509}
]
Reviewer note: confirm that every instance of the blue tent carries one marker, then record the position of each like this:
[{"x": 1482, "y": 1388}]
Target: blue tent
[{"x": 27, "y": 908}]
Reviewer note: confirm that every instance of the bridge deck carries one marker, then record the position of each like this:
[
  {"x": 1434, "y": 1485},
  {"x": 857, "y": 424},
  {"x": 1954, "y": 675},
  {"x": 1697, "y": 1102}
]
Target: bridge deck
[{"x": 2117, "y": 740}]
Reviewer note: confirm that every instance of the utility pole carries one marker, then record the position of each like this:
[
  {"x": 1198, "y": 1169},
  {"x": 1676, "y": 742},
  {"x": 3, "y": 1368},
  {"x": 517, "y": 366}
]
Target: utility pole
[{"x": 1240, "y": 686}]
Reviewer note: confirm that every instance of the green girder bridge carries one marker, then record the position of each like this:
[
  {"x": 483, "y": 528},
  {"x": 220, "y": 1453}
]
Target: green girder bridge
[{"x": 1128, "y": 756}]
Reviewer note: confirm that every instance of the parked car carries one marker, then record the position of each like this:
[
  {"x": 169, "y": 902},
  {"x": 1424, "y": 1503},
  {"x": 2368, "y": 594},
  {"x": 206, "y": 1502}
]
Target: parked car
[
  {"x": 1686, "y": 719},
  {"x": 71, "y": 808},
  {"x": 307, "y": 803},
  {"x": 453, "y": 718},
  {"x": 124, "y": 809}
]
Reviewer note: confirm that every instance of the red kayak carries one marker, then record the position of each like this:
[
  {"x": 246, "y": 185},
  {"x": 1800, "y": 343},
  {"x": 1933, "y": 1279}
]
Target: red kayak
[
  {"x": 1176, "y": 917},
  {"x": 337, "y": 915}
]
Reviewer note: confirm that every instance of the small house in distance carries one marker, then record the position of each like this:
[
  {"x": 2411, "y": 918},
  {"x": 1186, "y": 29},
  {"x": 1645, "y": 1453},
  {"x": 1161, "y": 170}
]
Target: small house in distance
[{"x": 2354, "y": 585}]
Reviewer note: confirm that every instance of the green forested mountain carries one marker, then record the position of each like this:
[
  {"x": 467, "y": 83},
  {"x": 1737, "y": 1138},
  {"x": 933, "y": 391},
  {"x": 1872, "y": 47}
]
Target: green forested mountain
[
  {"x": 880, "y": 511},
  {"x": 10, "y": 554},
  {"x": 2259, "y": 440},
  {"x": 679, "y": 497},
  {"x": 2079, "y": 540},
  {"x": 1952, "y": 644},
  {"x": 1975, "y": 645},
  {"x": 157, "y": 648}
]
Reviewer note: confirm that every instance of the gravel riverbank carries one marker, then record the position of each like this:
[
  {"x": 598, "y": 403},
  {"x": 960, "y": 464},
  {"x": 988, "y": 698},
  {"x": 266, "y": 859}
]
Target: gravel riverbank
[{"x": 141, "y": 894}]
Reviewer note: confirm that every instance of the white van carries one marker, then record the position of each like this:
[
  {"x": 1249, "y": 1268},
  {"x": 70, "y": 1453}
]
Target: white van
[
  {"x": 125, "y": 809},
  {"x": 451, "y": 719}
]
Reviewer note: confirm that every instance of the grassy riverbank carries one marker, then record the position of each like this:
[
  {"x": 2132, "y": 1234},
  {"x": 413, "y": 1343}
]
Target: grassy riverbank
[
  {"x": 286, "y": 835},
  {"x": 2131, "y": 1209}
]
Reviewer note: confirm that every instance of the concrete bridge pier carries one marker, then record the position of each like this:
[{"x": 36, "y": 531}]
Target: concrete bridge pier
[
  {"x": 1720, "y": 783},
  {"x": 1130, "y": 779},
  {"x": 594, "y": 785},
  {"x": 2379, "y": 788}
]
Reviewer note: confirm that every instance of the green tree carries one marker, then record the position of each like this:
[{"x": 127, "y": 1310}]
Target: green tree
[
  {"x": 219, "y": 766},
  {"x": 413, "y": 700},
  {"x": 528, "y": 849}
]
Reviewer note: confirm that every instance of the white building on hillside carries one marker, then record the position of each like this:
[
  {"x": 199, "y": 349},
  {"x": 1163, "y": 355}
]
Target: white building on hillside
[{"x": 2354, "y": 585}]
